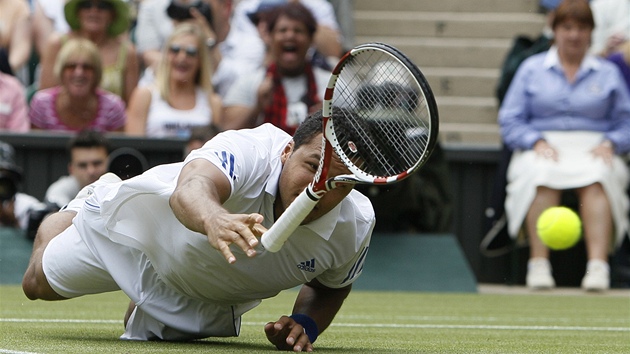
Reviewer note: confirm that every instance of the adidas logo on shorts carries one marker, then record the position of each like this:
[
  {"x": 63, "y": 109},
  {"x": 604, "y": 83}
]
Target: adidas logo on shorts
[{"x": 308, "y": 266}]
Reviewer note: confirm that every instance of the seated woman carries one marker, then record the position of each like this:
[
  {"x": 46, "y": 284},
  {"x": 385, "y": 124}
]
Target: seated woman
[
  {"x": 78, "y": 103},
  {"x": 566, "y": 115},
  {"x": 104, "y": 22},
  {"x": 181, "y": 96}
]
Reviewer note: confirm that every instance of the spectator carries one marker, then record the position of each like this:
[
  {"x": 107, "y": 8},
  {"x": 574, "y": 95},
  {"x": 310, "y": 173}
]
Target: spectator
[
  {"x": 88, "y": 152},
  {"x": 287, "y": 90},
  {"x": 155, "y": 26},
  {"x": 612, "y": 25},
  {"x": 15, "y": 35},
  {"x": 170, "y": 239},
  {"x": 104, "y": 22},
  {"x": 15, "y": 207},
  {"x": 77, "y": 103},
  {"x": 566, "y": 115},
  {"x": 182, "y": 96},
  {"x": 248, "y": 44},
  {"x": 13, "y": 107}
]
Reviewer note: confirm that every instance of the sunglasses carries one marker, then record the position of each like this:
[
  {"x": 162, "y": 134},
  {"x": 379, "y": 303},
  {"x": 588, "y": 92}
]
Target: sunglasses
[
  {"x": 190, "y": 50},
  {"x": 83, "y": 66},
  {"x": 101, "y": 5}
]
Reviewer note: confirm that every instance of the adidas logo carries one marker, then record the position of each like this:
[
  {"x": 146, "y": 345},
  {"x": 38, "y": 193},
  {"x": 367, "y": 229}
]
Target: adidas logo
[{"x": 308, "y": 266}]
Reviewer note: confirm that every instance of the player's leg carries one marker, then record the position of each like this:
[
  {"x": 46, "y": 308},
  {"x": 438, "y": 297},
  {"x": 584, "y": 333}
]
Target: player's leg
[
  {"x": 34, "y": 283},
  {"x": 597, "y": 222},
  {"x": 538, "y": 267}
]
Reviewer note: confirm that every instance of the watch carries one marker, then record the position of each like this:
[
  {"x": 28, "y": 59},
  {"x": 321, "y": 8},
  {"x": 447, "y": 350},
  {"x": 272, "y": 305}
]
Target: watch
[{"x": 211, "y": 43}]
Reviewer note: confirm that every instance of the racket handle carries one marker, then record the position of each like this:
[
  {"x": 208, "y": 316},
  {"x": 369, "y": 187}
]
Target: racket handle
[{"x": 292, "y": 217}]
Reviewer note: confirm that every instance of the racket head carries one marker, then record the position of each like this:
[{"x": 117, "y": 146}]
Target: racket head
[{"x": 385, "y": 123}]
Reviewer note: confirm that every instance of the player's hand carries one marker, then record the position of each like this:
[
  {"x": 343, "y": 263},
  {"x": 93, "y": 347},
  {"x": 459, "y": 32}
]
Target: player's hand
[
  {"x": 240, "y": 229},
  {"x": 286, "y": 334}
]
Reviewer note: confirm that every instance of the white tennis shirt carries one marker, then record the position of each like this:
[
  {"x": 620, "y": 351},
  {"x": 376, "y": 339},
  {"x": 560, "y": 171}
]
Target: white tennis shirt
[{"x": 331, "y": 249}]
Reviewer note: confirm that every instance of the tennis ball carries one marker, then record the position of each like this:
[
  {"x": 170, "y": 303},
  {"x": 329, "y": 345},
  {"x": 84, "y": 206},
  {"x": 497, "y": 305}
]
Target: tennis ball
[{"x": 559, "y": 228}]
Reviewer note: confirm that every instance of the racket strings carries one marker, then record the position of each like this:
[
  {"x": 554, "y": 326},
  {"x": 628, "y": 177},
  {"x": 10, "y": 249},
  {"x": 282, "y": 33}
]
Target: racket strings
[{"x": 385, "y": 107}]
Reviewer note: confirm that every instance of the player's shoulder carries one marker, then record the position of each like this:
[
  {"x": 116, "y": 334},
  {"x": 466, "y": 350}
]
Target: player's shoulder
[
  {"x": 361, "y": 205},
  {"x": 265, "y": 134}
]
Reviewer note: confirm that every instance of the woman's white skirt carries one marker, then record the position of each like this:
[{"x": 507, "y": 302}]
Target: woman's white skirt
[{"x": 576, "y": 167}]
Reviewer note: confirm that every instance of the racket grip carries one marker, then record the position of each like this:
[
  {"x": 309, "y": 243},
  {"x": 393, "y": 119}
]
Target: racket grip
[{"x": 292, "y": 217}]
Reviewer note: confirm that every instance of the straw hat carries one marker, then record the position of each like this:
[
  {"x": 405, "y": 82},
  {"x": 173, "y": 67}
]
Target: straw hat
[{"x": 121, "y": 16}]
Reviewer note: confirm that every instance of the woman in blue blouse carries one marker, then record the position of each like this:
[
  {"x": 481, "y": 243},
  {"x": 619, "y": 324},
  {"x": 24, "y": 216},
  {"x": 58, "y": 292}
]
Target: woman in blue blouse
[{"x": 566, "y": 115}]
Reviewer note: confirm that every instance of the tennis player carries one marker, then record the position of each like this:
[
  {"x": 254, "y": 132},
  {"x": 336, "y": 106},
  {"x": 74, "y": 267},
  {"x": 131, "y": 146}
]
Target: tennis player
[{"x": 182, "y": 240}]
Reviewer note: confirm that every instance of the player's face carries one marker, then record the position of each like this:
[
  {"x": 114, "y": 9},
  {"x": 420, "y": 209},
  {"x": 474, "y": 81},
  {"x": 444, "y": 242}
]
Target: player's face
[
  {"x": 88, "y": 164},
  {"x": 299, "y": 169}
]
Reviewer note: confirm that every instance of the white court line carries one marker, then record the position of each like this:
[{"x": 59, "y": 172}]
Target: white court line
[
  {"x": 9, "y": 351},
  {"x": 374, "y": 325}
]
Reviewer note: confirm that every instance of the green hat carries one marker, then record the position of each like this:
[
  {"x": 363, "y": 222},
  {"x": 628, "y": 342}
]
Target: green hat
[{"x": 121, "y": 17}]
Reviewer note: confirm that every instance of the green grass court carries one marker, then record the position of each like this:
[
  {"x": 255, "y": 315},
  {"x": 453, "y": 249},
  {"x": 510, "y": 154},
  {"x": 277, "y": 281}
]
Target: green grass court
[{"x": 370, "y": 322}]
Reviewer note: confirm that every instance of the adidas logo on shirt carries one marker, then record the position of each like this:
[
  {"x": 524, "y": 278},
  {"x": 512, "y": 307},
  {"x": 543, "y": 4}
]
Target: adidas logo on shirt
[{"x": 308, "y": 266}]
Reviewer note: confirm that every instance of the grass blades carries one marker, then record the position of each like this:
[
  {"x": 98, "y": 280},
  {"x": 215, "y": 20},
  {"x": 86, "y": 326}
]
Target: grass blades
[{"x": 370, "y": 322}]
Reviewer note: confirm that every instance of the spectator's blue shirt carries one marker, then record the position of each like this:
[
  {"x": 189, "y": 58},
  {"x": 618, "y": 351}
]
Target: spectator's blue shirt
[{"x": 541, "y": 99}]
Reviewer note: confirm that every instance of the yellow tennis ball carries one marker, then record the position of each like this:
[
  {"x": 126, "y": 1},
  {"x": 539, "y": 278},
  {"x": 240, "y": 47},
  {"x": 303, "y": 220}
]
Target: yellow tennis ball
[{"x": 559, "y": 228}]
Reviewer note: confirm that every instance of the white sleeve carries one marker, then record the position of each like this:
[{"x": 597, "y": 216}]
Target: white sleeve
[{"x": 242, "y": 155}]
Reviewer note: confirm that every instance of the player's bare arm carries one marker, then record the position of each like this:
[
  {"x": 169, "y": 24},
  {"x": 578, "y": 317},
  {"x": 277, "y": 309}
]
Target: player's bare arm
[
  {"x": 315, "y": 301},
  {"x": 197, "y": 203}
]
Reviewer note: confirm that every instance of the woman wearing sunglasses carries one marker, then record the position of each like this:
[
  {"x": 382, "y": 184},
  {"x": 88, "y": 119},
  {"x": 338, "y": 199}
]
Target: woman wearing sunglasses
[
  {"x": 77, "y": 103},
  {"x": 181, "y": 96},
  {"x": 104, "y": 22}
]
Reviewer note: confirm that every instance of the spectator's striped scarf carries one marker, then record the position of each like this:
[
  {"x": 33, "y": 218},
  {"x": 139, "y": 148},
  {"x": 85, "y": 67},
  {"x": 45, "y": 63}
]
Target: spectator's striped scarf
[{"x": 276, "y": 112}]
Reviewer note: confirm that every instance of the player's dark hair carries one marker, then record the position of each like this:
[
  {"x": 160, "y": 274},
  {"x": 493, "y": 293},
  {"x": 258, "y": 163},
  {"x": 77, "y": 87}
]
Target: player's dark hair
[
  {"x": 88, "y": 139},
  {"x": 312, "y": 126},
  {"x": 294, "y": 11},
  {"x": 309, "y": 128}
]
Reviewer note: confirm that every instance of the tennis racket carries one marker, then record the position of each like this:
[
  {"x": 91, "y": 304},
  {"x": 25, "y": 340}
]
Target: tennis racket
[{"x": 385, "y": 127}]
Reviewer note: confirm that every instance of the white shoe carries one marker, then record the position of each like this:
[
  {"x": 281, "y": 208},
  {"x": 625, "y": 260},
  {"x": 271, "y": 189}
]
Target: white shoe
[
  {"x": 77, "y": 202},
  {"x": 597, "y": 276},
  {"x": 539, "y": 274}
]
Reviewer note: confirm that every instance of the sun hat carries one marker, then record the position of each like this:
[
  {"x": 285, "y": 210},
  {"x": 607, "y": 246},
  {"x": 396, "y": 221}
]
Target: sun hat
[{"x": 121, "y": 16}]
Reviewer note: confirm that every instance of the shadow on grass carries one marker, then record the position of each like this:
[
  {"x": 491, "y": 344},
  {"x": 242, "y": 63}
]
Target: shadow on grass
[{"x": 227, "y": 345}]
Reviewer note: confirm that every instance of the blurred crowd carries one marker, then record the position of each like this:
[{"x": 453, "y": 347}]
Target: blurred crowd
[
  {"x": 152, "y": 68},
  {"x": 158, "y": 68}
]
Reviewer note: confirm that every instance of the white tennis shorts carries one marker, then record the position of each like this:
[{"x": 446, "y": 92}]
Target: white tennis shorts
[{"x": 76, "y": 266}]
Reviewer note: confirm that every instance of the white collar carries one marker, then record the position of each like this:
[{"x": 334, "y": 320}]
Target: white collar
[{"x": 553, "y": 60}]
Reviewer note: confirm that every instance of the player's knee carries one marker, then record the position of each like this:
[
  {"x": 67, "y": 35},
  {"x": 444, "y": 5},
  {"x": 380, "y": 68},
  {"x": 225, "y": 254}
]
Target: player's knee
[
  {"x": 36, "y": 287},
  {"x": 29, "y": 285}
]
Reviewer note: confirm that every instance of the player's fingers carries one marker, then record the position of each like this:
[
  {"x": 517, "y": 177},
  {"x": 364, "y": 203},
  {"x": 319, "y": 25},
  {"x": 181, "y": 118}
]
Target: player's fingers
[
  {"x": 224, "y": 248},
  {"x": 297, "y": 338},
  {"x": 243, "y": 239}
]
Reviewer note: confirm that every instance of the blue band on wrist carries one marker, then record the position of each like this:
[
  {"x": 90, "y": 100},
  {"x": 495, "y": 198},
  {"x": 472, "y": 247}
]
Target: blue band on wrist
[{"x": 310, "y": 327}]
